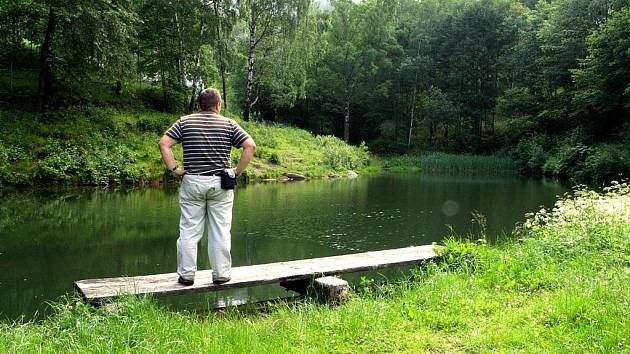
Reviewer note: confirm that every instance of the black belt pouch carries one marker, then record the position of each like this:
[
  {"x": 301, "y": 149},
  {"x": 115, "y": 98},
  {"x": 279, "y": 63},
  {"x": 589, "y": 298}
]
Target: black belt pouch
[{"x": 227, "y": 182}]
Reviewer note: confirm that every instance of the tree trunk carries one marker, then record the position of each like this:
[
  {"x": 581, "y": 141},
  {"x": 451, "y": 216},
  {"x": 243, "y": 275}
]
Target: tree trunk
[
  {"x": 14, "y": 41},
  {"x": 164, "y": 92},
  {"x": 181, "y": 66},
  {"x": 413, "y": 111},
  {"x": 251, "y": 60},
  {"x": 138, "y": 68},
  {"x": 413, "y": 103},
  {"x": 346, "y": 118},
  {"x": 45, "y": 90},
  {"x": 193, "y": 95},
  {"x": 221, "y": 55}
]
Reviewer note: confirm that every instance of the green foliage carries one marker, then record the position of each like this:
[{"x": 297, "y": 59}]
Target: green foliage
[
  {"x": 161, "y": 99},
  {"x": 517, "y": 102},
  {"x": 587, "y": 223},
  {"x": 154, "y": 122},
  {"x": 603, "y": 79},
  {"x": 571, "y": 157},
  {"x": 566, "y": 160},
  {"x": 338, "y": 155},
  {"x": 530, "y": 154},
  {"x": 275, "y": 158},
  {"x": 68, "y": 163},
  {"x": 4, "y": 162},
  {"x": 606, "y": 162},
  {"x": 460, "y": 255}
]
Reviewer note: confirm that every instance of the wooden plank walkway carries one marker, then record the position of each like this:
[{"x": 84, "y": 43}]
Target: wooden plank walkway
[{"x": 98, "y": 290}]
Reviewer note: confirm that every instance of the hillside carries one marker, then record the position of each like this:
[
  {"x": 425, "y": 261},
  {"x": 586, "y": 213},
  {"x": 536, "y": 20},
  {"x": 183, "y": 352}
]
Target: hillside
[{"x": 104, "y": 146}]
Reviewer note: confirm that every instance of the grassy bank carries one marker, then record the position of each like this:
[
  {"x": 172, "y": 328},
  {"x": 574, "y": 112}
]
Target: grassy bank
[
  {"x": 563, "y": 288},
  {"x": 98, "y": 146},
  {"x": 454, "y": 164}
]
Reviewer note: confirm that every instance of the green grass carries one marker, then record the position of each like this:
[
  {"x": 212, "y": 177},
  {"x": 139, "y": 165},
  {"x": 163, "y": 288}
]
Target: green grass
[
  {"x": 455, "y": 164},
  {"x": 99, "y": 146},
  {"x": 564, "y": 288},
  {"x": 282, "y": 149}
]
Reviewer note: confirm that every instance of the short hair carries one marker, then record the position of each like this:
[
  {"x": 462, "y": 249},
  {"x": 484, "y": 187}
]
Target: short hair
[{"x": 208, "y": 98}]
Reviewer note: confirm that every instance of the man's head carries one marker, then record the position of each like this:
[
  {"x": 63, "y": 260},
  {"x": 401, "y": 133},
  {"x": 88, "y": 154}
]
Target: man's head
[{"x": 210, "y": 100}]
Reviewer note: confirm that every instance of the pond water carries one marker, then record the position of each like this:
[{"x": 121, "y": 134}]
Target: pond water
[{"x": 48, "y": 239}]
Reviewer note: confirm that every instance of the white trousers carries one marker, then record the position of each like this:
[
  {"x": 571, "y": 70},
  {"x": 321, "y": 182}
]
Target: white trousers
[{"x": 203, "y": 202}]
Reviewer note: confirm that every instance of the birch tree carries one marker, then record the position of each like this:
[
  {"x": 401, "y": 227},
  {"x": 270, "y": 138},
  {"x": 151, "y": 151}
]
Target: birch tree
[{"x": 264, "y": 19}]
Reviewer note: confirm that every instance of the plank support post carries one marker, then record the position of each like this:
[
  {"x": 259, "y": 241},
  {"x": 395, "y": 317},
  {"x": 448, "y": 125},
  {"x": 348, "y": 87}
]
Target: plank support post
[{"x": 331, "y": 290}]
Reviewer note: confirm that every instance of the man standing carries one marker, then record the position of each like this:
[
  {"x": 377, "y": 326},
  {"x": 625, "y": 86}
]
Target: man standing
[{"x": 207, "y": 139}]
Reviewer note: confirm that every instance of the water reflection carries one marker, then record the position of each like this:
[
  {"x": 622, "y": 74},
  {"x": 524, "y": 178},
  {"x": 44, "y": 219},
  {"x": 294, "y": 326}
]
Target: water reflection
[{"x": 51, "y": 238}]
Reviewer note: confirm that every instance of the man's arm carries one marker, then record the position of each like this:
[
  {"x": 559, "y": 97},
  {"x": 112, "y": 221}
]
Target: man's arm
[
  {"x": 166, "y": 144},
  {"x": 249, "y": 146}
]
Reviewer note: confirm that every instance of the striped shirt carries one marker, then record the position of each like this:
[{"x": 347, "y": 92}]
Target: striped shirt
[{"x": 207, "y": 139}]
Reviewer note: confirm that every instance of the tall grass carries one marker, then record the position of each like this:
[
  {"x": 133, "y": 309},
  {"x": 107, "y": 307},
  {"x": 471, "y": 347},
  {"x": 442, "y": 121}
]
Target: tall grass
[
  {"x": 563, "y": 288},
  {"x": 455, "y": 164}
]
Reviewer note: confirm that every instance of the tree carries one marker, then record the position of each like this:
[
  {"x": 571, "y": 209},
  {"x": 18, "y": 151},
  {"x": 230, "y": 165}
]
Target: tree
[
  {"x": 603, "y": 78},
  {"x": 265, "y": 19},
  {"x": 82, "y": 40},
  {"x": 282, "y": 67},
  {"x": 438, "y": 109},
  {"x": 19, "y": 25},
  {"x": 171, "y": 35},
  {"x": 469, "y": 46},
  {"x": 563, "y": 36},
  {"x": 343, "y": 58},
  {"x": 417, "y": 23}
]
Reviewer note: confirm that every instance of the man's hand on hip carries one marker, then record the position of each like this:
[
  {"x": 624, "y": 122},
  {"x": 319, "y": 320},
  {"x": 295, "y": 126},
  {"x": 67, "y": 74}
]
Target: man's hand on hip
[{"x": 179, "y": 172}]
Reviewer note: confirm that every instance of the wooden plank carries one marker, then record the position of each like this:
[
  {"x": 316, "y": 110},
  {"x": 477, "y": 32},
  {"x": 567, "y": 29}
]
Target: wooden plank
[{"x": 97, "y": 290}]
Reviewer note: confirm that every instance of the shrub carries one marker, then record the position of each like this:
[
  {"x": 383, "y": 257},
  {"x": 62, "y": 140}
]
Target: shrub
[
  {"x": 4, "y": 159},
  {"x": 566, "y": 160},
  {"x": 338, "y": 155},
  {"x": 583, "y": 223},
  {"x": 386, "y": 146},
  {"x": 84, "y": 164},
  {"x": 461, "y": 255},
  {"x": 155, "y": 122},
  {"x": 598, "y": 163},
  {"x": 105, "y": 167},
  {"x": 606, "y": 162},
  {"x": 4, "y": 156},
  {"x": 152, "y": 97},
  {"x": 530, "y": 154},
  {"x": 275, "y": 158},
  {"x": 59, "y": 162}
]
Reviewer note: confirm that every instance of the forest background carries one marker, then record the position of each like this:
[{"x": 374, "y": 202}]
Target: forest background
[{"x": 546, "y": 82}]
